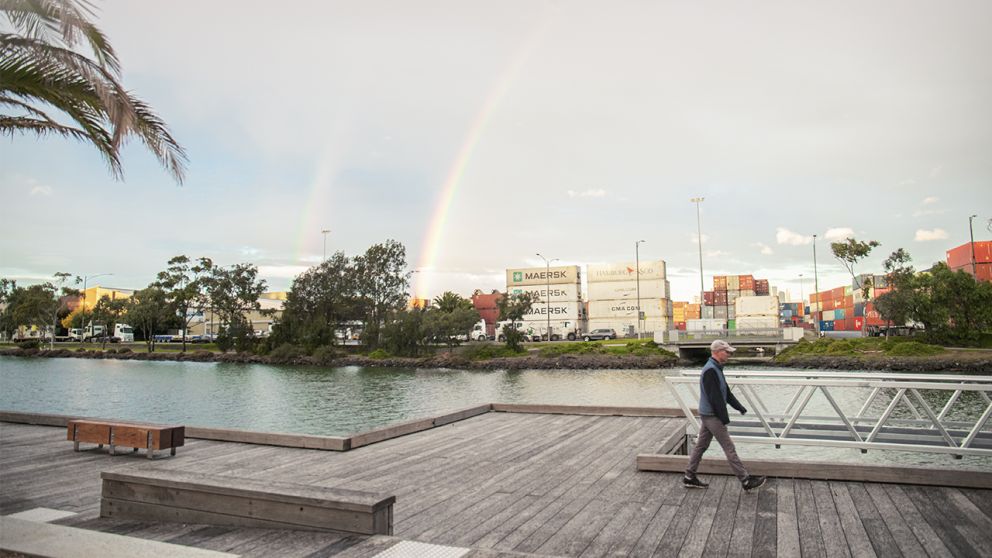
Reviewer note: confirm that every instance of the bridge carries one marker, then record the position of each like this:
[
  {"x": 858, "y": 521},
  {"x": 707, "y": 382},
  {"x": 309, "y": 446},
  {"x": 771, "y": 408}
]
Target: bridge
[{"x": 697, "y": 343}]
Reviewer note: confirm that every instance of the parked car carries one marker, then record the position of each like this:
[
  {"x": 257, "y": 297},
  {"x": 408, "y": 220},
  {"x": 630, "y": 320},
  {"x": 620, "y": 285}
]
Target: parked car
[{"x": 597, "y": 334}]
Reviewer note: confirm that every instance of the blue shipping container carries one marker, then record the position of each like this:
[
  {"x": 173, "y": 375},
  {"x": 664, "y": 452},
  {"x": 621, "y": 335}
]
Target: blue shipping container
[
  {"x": 827, "y": 325},
  {"x": 840, "y": 314},
  {"x": 859, "y": 309},
  {"x": 786, "y": 313}
]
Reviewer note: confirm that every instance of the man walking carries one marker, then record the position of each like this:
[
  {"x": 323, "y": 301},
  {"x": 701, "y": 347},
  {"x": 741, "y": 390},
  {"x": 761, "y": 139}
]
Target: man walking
[{"x": 713, "y": 400}]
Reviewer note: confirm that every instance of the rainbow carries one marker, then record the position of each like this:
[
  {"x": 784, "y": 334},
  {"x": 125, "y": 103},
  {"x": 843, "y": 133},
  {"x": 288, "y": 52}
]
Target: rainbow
[{"x": 433, "y": 237}]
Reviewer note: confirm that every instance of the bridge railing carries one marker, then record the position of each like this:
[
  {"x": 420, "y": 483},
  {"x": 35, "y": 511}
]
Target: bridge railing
[
  {"x": 910, "y": 412},
  {"x": 687, "y": 336}
]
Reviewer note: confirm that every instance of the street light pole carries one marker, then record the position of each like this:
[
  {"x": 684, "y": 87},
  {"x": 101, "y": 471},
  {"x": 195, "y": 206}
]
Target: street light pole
[
  {"x": 699, "y": 238},
  {"x": 637, "y": 263},
  {"x": 816, "y": 285},
  {"x": 971, "y": 231},
  {"x": 324, "y": 232},
  {"x": 547, "y": 292},
  {"x": 83, "y": 313},
  {"x": 800, "y": 288}
]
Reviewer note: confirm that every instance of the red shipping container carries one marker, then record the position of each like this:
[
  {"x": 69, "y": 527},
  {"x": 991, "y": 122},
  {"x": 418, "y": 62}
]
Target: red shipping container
[
  {"x": 720, "y": 298},
  {"x": 746, "y": 282},
  {"x": 840, "y": 325},
  {"x": 709, "y": 298},
  {"x": 837, "y": 293},
  {"x": 719, "y": 282},
  {"x": 961, "y": 255},
  {"x": 849, "y": 301},
  {"x": 859, "y": 324}
]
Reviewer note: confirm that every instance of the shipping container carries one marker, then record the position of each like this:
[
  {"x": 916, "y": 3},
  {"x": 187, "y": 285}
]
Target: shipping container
[
  {"x": 746, "y": 282},
  {"x": 859, "y": 309},
  {"x": 841, "y": 313},
  {"x": 562, "y": 275},
  {"x": 731, "y": 312},
  {"x": 840, "y": 325},
  {"x": 571, "y": 311},
  {"x": 761, "y": 287},
  {"x": 709, "y": 298},
  {"x": 826, "y": 325},
  {"x": 627, "y": 290},
  {"x": 733, "y": 283},
  {"x": 731, "y": 324},
  {"x": 757, "y": 306},
  {"x": 828, "y": 315},
  {"x": 859, "y": 324},
  {"x": 627, "y": 327},
  {"x": 719, "y": 282},
  {"x": 558, "y": 293},
  {"x": 625, "y": 271},
  {"x": 720, "y": 313},
  {"x": 719, "y": 298},
  {"x": 787, "y": 314},
  {"x": 983, "y": 271},
  {"x": 961, "y": 255},
  {"x": 707, "y": 313},
  {"x": 652, "y": 308}
]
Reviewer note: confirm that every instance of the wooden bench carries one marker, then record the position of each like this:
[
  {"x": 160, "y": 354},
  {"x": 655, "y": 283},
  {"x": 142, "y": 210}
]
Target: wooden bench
[
  {"x": 133, "y": 435},
  {"x": 183, "y": 497}
]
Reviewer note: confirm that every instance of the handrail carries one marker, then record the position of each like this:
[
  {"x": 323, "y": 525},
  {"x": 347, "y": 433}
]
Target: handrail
[{"x": 927, "y": 430}]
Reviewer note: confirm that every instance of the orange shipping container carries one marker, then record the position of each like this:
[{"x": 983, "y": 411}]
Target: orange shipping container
[
  {"x": 746, "y": 282},
  {"x": 719, "y": 282}
]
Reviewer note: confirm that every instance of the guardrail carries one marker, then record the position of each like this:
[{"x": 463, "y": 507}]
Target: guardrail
[
  {"x": 908, "y": 420},
  {"x": 759, "y": 334}
]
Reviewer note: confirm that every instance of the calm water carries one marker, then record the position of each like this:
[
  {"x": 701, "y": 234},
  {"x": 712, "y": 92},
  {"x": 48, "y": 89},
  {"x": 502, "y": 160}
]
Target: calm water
[{"x": 343, "y": 401}]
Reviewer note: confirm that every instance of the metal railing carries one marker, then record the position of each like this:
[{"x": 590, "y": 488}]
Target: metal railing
[
  {"x": 907, "y": 412},
  {"x": 763, "y": 334}
]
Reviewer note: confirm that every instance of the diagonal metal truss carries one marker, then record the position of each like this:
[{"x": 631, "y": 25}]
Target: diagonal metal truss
[{"x": 907, "y": 420}]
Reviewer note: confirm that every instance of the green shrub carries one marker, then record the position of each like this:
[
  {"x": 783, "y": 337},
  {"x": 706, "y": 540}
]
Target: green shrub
[
  {"x": 28, "y": 344},
  {"x": 379, "y": 354},
  {"x": 124, "y": 351},
  {"x": 581, "y": 348},
  {"x": 287, "y": 352},
  {"x": 325, "y": 354},
  {"x": 486, "y": 351},
  {"x": 914, "y": 348}
]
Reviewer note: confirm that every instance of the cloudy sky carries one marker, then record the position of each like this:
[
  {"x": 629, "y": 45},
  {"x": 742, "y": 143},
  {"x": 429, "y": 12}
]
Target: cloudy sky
[{"x": 480, "y": 133}]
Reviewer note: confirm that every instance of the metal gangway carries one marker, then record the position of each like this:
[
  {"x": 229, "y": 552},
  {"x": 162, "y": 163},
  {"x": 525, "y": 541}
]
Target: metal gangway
[{"x": 946, "y": 414}]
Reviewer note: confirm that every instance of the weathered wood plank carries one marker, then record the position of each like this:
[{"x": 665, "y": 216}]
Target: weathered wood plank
[
  {"x": 956, "y": 530},
  {"x": 810, "y": 537},
  {"x": 588, "y": 410},
  {"x": 787, "y": 530},
  {"x": 850, "y": 521},
  {"x": 742, "y": 538},
  {"x": 902, "y": 518},
  {"x": 834, "y": 541},
  {"x": 882, "y": 541},
  {"x": 765, "y": 538},
  {"x": 710, "y": 509},
  {"x": 818, "y": 470}
]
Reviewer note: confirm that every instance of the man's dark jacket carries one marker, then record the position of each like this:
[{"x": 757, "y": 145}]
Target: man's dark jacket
[{"x": 714, "y": 392}]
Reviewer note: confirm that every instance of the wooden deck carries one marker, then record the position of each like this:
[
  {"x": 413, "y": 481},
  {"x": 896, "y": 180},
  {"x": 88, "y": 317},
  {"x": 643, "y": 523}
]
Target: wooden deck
[{"x": 505, "y": 483}]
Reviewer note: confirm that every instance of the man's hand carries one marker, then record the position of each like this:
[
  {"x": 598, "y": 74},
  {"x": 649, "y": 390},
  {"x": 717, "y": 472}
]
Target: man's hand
[{"x": 743, "y": 411}]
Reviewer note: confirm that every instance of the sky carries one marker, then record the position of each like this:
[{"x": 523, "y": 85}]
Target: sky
[{"x": 480, "y": 134}]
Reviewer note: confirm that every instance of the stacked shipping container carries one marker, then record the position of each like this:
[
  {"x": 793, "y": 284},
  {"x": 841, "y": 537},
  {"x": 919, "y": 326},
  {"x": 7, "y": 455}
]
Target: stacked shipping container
[
  {"x": 959, "y": 259},
  {"x": 719, "y": 304},
  {"x": 613, "y": 297},
  {"x": 557, "y": 291},
  {"x": 684, "y": 311}
]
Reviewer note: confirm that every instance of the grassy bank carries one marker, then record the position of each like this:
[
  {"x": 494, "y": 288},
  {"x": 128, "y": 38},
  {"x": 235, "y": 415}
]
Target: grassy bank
[{"x": 875, "y": 353}]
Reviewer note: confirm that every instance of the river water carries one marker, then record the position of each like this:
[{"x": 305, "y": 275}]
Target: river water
[{"x": 349, "y": 400}]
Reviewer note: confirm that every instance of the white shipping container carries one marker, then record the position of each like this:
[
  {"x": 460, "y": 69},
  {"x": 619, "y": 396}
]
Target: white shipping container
[
  {"x": 627, "y": 290},
  {"x": 562, "y": 275},
  {"x": 733, "y": 283},
  {"x": 757, "y": 322},
  {"x": 705, "y": 325},
  {"x": 652, "y": 308},
  {"x": 625, "y": 271},
  {"x": 756, "y": 306},
  {"x": 558, "y": 293},
  {"x": 828, "y": 316},
  {"x": 571, "y": 311},
  {"x": 628, "y": 326}
]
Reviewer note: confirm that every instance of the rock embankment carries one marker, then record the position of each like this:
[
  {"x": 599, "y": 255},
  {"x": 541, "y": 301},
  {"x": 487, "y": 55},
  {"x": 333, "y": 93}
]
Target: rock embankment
[{"x": 442, "y": 360}]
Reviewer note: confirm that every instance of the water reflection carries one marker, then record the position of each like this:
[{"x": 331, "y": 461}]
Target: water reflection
[{"x": 343, "y": 401}]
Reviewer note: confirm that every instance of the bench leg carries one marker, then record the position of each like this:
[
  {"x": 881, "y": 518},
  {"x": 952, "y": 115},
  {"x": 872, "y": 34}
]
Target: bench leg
[
  {"x": 99, "y": 446},
  {"x": 134, "y": 450},
  {"x": 172, "y": 451},
  {"x": 75, "y": 445},
  {"x": 151, "y": 453},
  {"x": 112, "y": 449}
]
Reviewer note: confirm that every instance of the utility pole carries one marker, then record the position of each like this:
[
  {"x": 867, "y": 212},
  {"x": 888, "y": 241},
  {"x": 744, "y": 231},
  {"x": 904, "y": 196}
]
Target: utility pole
[
  {"x": 971, "y": 231},
  {"x": 816, "y": 285},
  {"x": 82, "y": 315},
  {"x": 547, "y": 292},
  {"x": 637, "y": 263},
  {"x": 699, "y": 238},
  {"x": 324, "y": 232}
]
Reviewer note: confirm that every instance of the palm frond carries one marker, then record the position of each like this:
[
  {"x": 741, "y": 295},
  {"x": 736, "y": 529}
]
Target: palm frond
[{"x": 66, "y": 21}]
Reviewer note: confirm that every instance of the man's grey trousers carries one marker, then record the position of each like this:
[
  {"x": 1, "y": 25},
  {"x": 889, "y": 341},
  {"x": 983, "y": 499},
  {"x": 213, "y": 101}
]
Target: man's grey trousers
[{"x": 712, "y": 428}]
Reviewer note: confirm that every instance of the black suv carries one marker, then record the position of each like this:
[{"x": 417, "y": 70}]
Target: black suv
[{"x": 598, "y": 334}]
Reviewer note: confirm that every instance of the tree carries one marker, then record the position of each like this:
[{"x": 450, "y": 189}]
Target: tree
[
  {"x": 234, "y": 292},
  {"x": 29, "y": 306},
  {"x": 61, "y": 307},
  {"x": 952, "y": 305},
  {"x": 320, "y": 300},
  {"x": 42, "y": 67},
  {"x": 450, "y": 317},
  {"x": 185, "y": 286},
  {"x": 381, "y": 284},
  {"x": 849, "y": 253},
  {"x": 405, "y": 333},
  {"x": 514, "y": 307},
  {"x": 896, "y": 305},
  {"x": 108, "y": 313},
  {"x": 148, "y": 311}
]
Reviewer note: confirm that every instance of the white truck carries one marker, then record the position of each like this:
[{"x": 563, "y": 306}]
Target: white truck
[
  {"x": 522, "y": 327},
  {"x": 478, "y": 332},
  {"x": 122, "y": 333}
]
